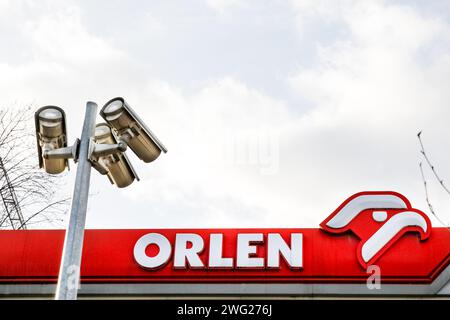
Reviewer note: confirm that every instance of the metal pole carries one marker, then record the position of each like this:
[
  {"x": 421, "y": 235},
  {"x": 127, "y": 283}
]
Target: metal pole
[{"x": 69, "y": 274}]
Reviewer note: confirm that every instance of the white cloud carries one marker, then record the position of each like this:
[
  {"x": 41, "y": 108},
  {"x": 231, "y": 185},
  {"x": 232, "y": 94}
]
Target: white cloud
[
  {"x": 63, "y": 59},
  {"x": 199, "y": 172},
  {"x": 61, "y": 37},
  {"x": 373, "y": 91},
  {"x": 237, "y": 156},
  {"x": 222, "y": 5}
]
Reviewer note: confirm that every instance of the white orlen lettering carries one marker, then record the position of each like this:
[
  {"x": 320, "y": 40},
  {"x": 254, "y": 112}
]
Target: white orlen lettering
[
  {"x": 165, "y": 250},
  {"x": 277, "y": 246},
  {"x": 216, "y": 259},
  {"x": 191, "y": 255},
  {"x": 245, "y": 250}
]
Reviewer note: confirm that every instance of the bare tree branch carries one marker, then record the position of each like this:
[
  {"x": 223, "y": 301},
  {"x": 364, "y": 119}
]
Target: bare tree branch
[
  {"x": 34, "y": 215},
  {"x": 428, "y": 198},
  {"x": 441, "y": 181},
  {"x": 36, "y": 193}
]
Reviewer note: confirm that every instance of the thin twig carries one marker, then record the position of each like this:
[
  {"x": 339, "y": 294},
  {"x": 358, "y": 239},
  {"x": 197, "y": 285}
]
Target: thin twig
[
  {"x": 441, "y": 181},
  {"x": 428, "y": 198},
  {"x": 35, "y": 191},
  {"x": 42, "y": 210}
]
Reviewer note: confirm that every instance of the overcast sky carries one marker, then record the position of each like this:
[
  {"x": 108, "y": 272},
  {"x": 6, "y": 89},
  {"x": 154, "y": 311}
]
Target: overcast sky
[{"x": 274, "y": 112}]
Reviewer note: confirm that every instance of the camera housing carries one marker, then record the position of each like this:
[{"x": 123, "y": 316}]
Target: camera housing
[
  {"x": 132, "y": 130},
  {"x": 116, "y": 165},
  {"x": 51, "y": 134}
]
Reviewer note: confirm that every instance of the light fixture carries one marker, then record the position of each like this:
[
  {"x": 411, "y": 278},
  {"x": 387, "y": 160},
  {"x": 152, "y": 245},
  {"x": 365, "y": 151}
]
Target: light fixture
[
  {"x": 116, "y": 166},
  {"x": 132, "y": 130},
  {"x": 51, "y": 135},
  {"x": 100, "y": 146}
]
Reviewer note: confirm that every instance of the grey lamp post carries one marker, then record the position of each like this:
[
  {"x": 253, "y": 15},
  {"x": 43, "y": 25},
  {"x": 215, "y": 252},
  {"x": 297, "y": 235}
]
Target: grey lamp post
[
  {"x": 124, "y": 128},
  {"x": 69, "y": 273}
]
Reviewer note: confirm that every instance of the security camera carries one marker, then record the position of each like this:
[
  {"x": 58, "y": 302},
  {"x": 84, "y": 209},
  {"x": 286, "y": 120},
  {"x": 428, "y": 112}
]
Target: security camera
[
  {"x": 113, "y": 164},
  {"x": 132, "y": 130},
  {"x": 51, "y": 135}
]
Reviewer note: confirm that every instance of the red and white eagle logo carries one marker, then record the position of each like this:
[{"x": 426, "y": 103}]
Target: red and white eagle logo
[{"x": 379, "y": 219}]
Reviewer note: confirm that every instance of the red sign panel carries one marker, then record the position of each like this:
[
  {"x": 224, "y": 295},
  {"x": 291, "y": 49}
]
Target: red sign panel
[{"x": 367, "y": 229}]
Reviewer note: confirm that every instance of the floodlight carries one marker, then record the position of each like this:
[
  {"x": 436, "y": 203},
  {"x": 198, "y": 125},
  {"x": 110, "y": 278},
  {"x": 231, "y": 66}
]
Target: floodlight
[
  {"x": 115, "y": 165},
  {"x": 51, "y": 134},
  {"x": 101, "y": 147},
  {"x": 132, "y": 130}
]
